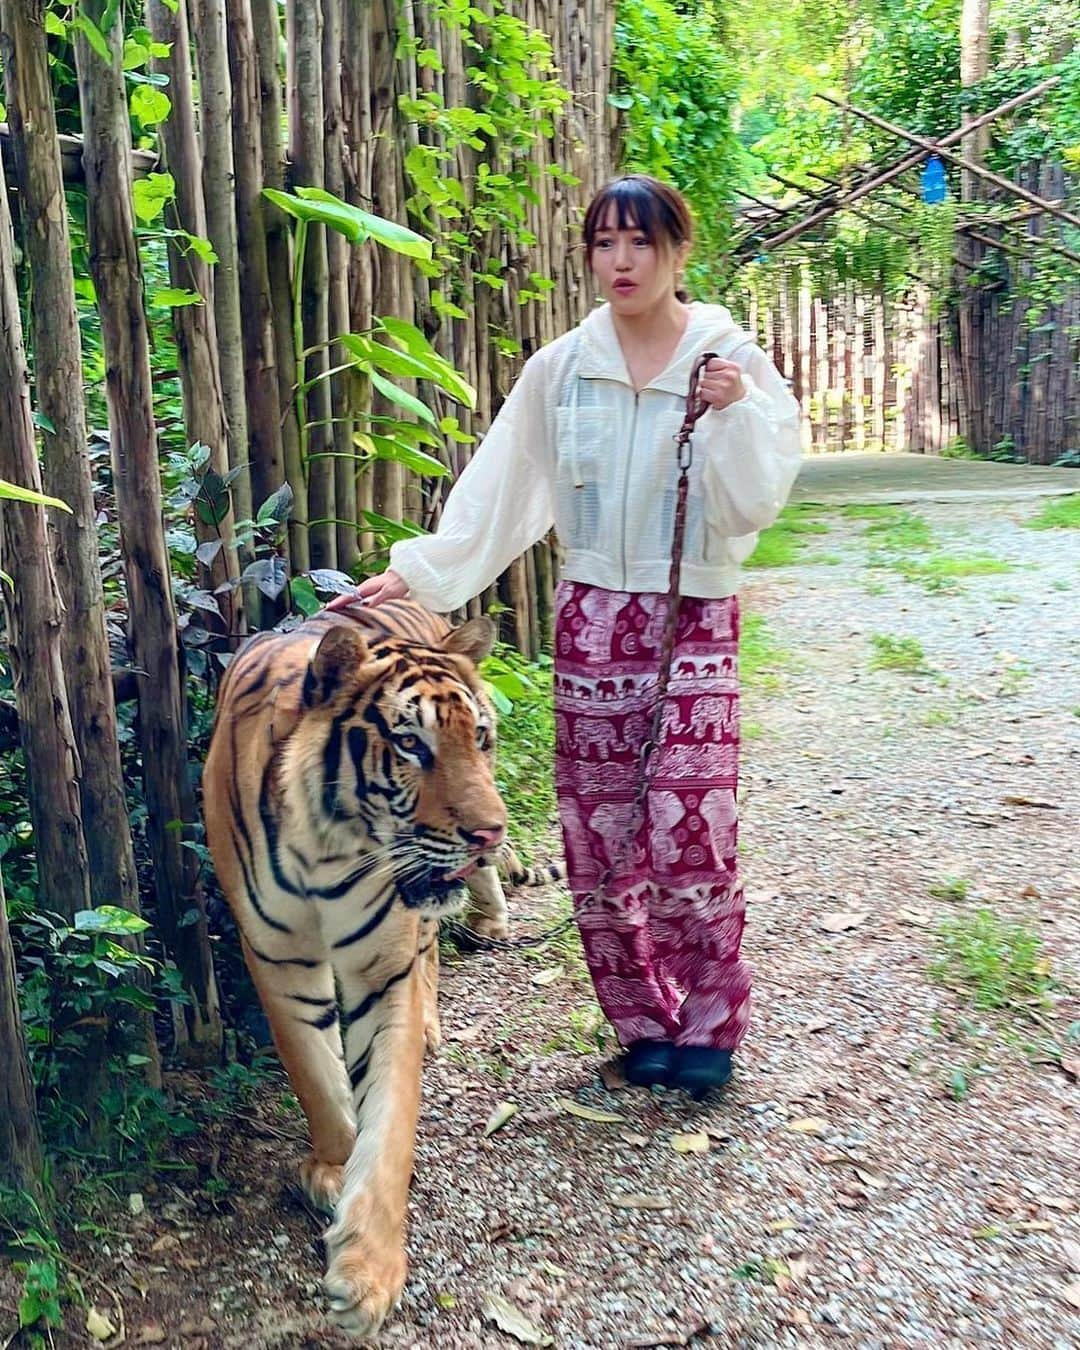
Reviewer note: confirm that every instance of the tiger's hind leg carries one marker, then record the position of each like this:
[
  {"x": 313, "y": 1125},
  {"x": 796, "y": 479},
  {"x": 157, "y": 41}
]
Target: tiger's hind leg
[
  {"x": 488, "y": 915},
  {"x": 301, "y": 1007}
]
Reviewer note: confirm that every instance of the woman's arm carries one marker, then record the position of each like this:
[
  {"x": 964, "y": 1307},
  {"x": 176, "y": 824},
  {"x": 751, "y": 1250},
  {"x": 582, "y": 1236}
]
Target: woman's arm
[{"x": 751, "y": 449}]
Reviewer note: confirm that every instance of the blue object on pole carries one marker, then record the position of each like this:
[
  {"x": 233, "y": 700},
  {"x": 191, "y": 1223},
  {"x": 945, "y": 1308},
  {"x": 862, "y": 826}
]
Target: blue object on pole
[{"x": 934, "y": 187}]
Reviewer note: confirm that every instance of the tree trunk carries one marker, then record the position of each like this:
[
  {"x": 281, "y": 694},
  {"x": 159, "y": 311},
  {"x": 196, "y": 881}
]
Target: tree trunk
[
  {"x": 33, "y": 620},
  {"x": 974, "y": 67},
  {"x": 58, "y": 379},
  {"x": 193, "y": 325},
  {"x": 215, "y": 96},
  {"x": 337, "y": 249},
  {"x": 260, "y": 358},
  {"x": 264, "y": 14},
  {"x": 20, "y": 1138},
  {"x": 114, "y": 265},
  {"x": 305, "y": 83}
]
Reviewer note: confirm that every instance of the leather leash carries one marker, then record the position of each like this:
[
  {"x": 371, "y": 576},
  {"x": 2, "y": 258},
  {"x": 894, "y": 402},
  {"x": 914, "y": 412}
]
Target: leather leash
[{"x": 696, "y": 407}]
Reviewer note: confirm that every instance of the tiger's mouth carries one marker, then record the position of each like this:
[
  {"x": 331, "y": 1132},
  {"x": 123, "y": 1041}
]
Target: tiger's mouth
[{"x": 433, "y": 889}]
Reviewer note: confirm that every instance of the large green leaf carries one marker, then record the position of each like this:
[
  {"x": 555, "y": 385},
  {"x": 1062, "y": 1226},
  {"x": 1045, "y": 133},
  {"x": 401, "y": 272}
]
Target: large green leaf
[
  {"x": 416, "y": 460},
  {"x": 401, "y": 398},
  {"x": 410, "y": 366},
  {"x": 13, "y": 493},
  {"x": 318, "y": 206}
]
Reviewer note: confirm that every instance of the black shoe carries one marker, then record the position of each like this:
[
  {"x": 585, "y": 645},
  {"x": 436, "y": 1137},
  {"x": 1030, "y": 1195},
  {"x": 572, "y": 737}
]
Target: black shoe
[
  {"x": 701, "y": 1068},
  {"x": 649, "y": 1062}
]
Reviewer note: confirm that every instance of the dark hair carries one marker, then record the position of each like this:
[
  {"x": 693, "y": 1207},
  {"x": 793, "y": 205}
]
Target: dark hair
[{"x": 644, "y": 203}]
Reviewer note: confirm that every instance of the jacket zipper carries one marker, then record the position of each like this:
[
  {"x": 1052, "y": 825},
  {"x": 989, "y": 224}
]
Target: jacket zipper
[{"x": 626, "y": 484}]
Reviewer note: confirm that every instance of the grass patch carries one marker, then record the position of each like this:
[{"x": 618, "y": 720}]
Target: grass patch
[
  {"x": 781, "y": 544},
  {"x": 526, "y": 743},
  {"x": 870, "y": 511},
  {"x": 893, "y": 653},
  {"x": 761, "y": 657},
  {"x": 903, "y": 532},
  {"x": 939, "y": 717},
  {"x": 951, "y": 888},
  {"x": 1062, "y": 513},
  {"x": 997, "y": 964}
]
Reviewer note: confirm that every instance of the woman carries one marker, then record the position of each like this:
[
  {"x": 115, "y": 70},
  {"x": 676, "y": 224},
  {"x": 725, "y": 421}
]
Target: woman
[{"x": 585, "y": 441}]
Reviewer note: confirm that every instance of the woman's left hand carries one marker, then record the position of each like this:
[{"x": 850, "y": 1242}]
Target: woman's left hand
[{"x": 721, "y": 383}]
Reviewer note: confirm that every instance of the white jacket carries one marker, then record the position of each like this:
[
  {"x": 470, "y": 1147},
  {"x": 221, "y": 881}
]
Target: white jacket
[{"x": 574, "y": 445}]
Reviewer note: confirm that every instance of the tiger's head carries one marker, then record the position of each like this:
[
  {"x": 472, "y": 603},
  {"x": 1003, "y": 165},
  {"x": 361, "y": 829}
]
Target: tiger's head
[{"x": 397, "y": 756}]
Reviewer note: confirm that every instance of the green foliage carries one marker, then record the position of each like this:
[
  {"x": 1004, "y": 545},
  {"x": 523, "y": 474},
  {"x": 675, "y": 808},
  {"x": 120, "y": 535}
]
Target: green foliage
[
  {"x": 997, "y": 964},
  {"x": 761, "y": 657},
  {"x": 782, "y": 543},
  {"x": 676, "y": 84},
  {"x": 951, "y": 888},
  {"x": 514, "y": 99},
  {"x": 523, "y": 694},
  {"x": 1062, "y": 513},
  {"x": 897, "y": 653}
]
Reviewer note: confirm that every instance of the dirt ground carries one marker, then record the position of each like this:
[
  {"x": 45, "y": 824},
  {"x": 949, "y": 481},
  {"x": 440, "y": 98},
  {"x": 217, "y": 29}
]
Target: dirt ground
[{"x": 893, "y": 1165}]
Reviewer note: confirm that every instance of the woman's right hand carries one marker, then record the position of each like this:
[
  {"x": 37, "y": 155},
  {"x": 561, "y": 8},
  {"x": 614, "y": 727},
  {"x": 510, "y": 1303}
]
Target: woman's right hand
[{"x": 373, "y": 591}]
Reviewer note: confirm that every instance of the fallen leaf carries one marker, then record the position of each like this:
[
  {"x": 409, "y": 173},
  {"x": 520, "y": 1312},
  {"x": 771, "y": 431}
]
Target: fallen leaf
[
  {"x": 695, "y": 1142},
  {"x": 466, "y": 1033},
  {"x": 1031, "y": 801},
  {"x": 635, "y": 1140},
  {"x": 99, "y": 1326},
  {"x": 1060, "y": 1202},
  {"x": 136, "y": 1204},
  {"x": 549, "y": 976},
  {"x": 842, "y": 920},
  {"x": 498, "y": 1118},
  {"x": 868, "y": 1178},
  {"x": 166, "y": 1243},
  {"x": 817, "y": 1024},
  {"x": 513, "y": 1321},
  {"x": 1071, "y": 1293},
  {"x": 781, "y": 1225},
  {"x": 150, "y": 1333},
  {"x": 446, "y": 1301},
  {"x": 798, "y": 1266},
  {"x": 612, "y": 1076},
  {"x": 631, "y": 1200},
  {"x": 669, "y": 1337},
  {"x": 1072, "y": 1255},
  {"x": 797, "y": 1317},
  {"x": 1031, "y": 893},
  {"x": 917, "y": 918},
  {"x": 1032, "y": 1226},
  {"x": 573, "y": 1108},
  {"x": 1071, "y": 1066},
  {"x": 808, "y": 1125}
]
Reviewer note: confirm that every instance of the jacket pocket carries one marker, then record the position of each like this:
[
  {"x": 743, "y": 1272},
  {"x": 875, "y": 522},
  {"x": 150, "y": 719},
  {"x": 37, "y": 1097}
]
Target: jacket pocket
[
  {"x": 659, "y": 493},
  {"x": 584, "y": 466}
]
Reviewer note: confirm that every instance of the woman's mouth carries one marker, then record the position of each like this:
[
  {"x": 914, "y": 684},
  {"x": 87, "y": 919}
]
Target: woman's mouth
[{"x": 624, "y": 287}]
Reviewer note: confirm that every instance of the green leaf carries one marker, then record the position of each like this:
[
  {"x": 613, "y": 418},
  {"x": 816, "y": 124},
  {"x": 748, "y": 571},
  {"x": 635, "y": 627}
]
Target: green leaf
[
  {"x": 150, "y": 195},
  {"x": 416, "y": 460},
  {"x": 277, "y": 507},
  {"x": 318, "y": 206},
  {"x": 55, "y": 25},
  {"x": 303, "y": 596},
  {"x": 409, "y": 365},
  {"x": 93, "y": 35},
  {"x": 392, "y": 530},
  {"x": 175, "y": 297},
  {"x": 401, "y": 398},
  {"x": 109, "y": 919},
  {"x": 149, "y": 105},
  {"x": 12, "y": 493}
]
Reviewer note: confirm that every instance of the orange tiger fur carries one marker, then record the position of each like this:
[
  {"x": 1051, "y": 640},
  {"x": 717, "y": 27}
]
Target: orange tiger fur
[{"x": 347, "y": 789}]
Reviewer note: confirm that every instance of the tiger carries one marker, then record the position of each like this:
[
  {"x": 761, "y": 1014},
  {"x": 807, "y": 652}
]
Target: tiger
[{"x": 349, "y": 801}]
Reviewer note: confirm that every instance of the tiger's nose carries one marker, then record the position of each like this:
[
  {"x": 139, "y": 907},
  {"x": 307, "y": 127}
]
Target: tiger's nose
[{"x": 487, "y": 836}]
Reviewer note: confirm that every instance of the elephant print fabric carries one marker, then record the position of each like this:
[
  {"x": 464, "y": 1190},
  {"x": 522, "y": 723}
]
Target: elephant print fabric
[{"x": 663, "y": 942}]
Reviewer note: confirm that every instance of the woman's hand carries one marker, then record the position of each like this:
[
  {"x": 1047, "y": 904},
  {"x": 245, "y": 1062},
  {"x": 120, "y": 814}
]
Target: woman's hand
[
  {"x": 373, "y": 591},
  {"x": 721, "y": 383}
]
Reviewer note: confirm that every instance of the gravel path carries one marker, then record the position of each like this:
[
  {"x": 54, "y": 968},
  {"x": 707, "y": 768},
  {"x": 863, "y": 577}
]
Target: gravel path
[{"x": 892, "y": 1166}]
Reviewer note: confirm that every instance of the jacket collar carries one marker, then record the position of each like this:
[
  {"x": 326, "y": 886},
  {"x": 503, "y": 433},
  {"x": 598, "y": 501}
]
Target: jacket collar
[{"x": 601, "y": 356}]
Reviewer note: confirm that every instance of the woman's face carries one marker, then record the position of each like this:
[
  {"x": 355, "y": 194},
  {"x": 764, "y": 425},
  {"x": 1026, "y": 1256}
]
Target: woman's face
[{"x": 633, "y": 273}]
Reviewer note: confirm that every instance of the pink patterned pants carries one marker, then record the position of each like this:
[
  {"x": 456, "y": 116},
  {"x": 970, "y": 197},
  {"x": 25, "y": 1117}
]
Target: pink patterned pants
[{"x": 663, "y": 944}]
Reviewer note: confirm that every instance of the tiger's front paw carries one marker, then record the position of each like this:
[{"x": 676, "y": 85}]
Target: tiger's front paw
[
  {"x": 322, "y": 1182},
  {"x": 432, "y": 1033},
  {"x": 364, "y": 1290}
]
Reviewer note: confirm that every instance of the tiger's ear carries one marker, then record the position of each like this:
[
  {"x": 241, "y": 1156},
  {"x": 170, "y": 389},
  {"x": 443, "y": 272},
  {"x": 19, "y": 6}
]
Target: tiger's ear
[
  {"x": 340, "y": 653},
  {"x": 474, "y": 639}
]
